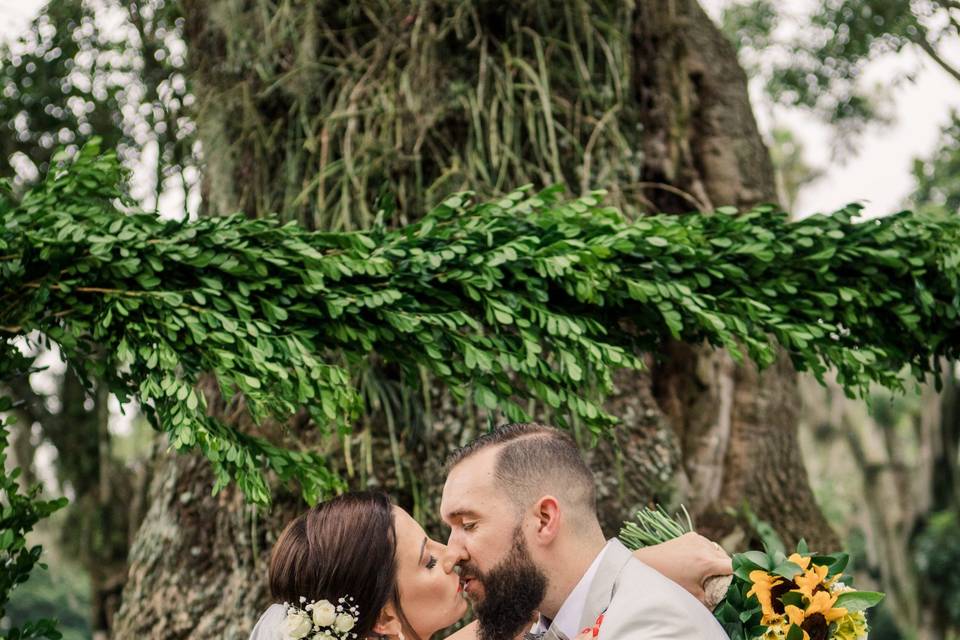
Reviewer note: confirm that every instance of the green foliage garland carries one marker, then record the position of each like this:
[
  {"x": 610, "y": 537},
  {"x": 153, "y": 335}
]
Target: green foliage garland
[{"x": 526, "y": 297}]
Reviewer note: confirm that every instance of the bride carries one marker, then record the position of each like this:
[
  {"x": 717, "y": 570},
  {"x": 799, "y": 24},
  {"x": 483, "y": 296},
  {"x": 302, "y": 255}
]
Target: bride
[{"x": 399, "y": 583}]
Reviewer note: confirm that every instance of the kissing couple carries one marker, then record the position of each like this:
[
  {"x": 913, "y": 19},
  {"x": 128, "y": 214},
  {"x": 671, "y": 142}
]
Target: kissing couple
[{"x": 525, "y": 548}]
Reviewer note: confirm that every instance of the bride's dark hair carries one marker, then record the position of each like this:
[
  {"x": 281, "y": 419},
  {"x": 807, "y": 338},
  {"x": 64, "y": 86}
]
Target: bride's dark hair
[{"x": 345, "y": 546}]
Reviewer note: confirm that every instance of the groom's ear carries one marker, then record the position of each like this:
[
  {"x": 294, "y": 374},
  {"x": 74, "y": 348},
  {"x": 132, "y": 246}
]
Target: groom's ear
[
  {"x": 388, "y": 622},
  {"x": 547, "y": 513}
]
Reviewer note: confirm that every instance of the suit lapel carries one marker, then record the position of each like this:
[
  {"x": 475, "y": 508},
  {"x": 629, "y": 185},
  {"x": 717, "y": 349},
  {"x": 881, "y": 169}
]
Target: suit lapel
[{"x": 615, "y": 558}]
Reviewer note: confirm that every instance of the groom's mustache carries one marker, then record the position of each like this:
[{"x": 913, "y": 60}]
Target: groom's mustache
[{"x": 470, "y": 572}]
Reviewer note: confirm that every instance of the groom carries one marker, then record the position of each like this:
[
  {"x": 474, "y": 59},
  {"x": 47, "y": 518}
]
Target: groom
[{"x": 521, "y": 505}]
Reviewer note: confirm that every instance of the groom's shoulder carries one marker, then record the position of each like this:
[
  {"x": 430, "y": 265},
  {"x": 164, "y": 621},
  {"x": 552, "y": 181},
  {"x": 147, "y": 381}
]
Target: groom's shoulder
[
  {"x": 639, "y": 579},
  {"x": 646, "y": 602}
]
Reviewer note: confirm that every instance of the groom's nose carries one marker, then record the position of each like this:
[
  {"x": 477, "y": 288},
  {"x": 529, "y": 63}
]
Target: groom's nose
[
  {"x": 453, "y": 555},
  {"x": 449, "y": 559}
]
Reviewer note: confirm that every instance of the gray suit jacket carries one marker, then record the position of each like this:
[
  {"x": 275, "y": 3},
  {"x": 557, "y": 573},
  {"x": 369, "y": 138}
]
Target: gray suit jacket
[{"x": 639, "y": 603}]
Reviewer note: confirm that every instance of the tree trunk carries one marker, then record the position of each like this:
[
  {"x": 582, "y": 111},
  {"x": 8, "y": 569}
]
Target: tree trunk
[
  {"x": 428, "y": 99},
  {"x": 737, "y": 426}
]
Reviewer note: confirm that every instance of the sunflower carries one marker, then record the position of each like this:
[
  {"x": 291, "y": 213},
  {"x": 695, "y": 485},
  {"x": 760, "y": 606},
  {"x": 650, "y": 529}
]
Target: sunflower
[
  {"x": 763, "y": 585},
  {"x": 801, "y": 561},
  {"x": 812, "y": 580},
  {"x": 816, "y": 618}
]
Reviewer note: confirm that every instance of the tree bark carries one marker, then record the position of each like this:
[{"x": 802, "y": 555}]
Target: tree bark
[
  {"x": 695, "y": 428},
  {"x": 737, "y": 426}
]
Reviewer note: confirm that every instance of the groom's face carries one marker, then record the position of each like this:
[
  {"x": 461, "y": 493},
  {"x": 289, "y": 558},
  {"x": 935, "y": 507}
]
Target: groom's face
[{"x": 484, "y": 523}]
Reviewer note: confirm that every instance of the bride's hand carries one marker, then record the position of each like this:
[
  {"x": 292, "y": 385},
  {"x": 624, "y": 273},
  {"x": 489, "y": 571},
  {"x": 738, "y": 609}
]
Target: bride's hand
[{"x": 689, "y": 561}]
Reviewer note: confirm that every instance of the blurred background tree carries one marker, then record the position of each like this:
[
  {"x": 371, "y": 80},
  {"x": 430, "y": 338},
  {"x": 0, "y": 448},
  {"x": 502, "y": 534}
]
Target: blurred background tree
[
  {"x": 114, "y": 70},
  {"x": 892, "y": 483}
]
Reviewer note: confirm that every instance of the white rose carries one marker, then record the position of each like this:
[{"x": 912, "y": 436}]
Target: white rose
[
  {"x": 324, "y": 613},
  {"x": 296, "y": 626},
  {"x": 324, "y": 635},
  {"x": 344, "y": 622}
]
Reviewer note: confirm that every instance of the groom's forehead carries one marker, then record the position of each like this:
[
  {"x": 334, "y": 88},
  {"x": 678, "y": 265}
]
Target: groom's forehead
[{"x": 469, "y": 485}]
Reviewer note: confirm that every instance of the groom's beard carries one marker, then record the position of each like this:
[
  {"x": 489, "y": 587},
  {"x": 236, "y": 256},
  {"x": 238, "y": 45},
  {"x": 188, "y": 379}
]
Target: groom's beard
[{"x": 512, "y": 593}]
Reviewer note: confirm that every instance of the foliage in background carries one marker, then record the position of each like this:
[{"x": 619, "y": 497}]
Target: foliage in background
[
  {"x": 938, "y": 176},
  {"x": 520, "y": 298},
  {"x": 61, "y": 592},
  {"x": 793, "y": 172},
  {"x": 937, "y": 551},
  {"x": 881, "y": 473},
  {"x": 813, "y": 59},
  {"x": 19, "y": 513},
  {"x": 115, "y": 70},
  {"x": 902, "y": 454},
  {"x": 101, "y": 68}
]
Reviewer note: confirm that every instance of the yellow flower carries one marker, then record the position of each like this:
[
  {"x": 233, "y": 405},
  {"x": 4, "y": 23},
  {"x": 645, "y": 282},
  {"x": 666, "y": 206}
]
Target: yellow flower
[
  {"x": 763, "y": 584},
  {"x": 812, "y": 578},
  {"x": 815, "y": 619},
  {"x": 822, "y": 602},
  {"x": 802, "y": 561}
]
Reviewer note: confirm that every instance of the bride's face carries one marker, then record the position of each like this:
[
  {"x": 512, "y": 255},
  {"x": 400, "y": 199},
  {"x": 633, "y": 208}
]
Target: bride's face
[{"x": 429, "y": 588}]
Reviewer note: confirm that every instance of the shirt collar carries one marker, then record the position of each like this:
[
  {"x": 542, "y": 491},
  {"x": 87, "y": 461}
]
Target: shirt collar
[{"x": 568, "y": 617}]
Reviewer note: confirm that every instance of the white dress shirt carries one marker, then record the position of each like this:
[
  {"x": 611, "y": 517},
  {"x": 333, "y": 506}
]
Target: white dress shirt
[{"x": 572, "y": 608}]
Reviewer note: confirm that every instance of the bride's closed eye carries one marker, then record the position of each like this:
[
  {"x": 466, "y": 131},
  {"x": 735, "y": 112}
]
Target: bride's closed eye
[{"x": 431, "y": 562}]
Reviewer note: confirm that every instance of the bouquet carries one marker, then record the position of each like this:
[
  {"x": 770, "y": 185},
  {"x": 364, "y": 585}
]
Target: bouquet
[{"x": 773, "y": 596}]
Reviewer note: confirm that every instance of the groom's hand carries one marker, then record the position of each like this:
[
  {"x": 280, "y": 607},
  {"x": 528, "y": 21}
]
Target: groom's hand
[{"x": 689, "y": 561}]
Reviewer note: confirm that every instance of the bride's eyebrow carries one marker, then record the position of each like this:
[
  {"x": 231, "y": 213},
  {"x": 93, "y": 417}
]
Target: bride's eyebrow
[{"x": 422, "y": 547}]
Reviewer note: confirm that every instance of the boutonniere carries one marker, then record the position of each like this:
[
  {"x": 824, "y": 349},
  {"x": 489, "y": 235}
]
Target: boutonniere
[{"x": 594, "y": 631}]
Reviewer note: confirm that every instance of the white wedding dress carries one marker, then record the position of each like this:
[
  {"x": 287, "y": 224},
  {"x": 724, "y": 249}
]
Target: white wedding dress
[{"x": 270, "y": 623}]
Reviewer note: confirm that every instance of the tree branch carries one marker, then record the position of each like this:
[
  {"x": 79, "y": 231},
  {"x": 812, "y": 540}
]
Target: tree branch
[{"x": 921, "y": 41}]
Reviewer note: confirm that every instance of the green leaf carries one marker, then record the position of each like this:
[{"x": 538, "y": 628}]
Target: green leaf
[
  {"x": 757, "y": 558},
  {"x": 858, "y": 600},
  {"x": 788, "y": 570}
]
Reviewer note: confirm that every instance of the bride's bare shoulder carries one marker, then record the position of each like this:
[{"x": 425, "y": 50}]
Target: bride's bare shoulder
[{"x": 469, "y": 632}]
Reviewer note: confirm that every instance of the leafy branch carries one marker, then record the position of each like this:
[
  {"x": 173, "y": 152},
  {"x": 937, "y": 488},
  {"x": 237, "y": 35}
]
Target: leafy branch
[{"x": 530, "y": 296}]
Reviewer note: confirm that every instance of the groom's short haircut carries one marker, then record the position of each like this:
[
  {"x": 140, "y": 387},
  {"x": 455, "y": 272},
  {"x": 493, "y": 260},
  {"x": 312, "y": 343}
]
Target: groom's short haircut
[{"x": 533, "y": 460}]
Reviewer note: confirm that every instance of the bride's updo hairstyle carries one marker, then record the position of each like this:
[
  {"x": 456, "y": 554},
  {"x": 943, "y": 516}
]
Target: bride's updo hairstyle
[{"x": 342, "y": 547}]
